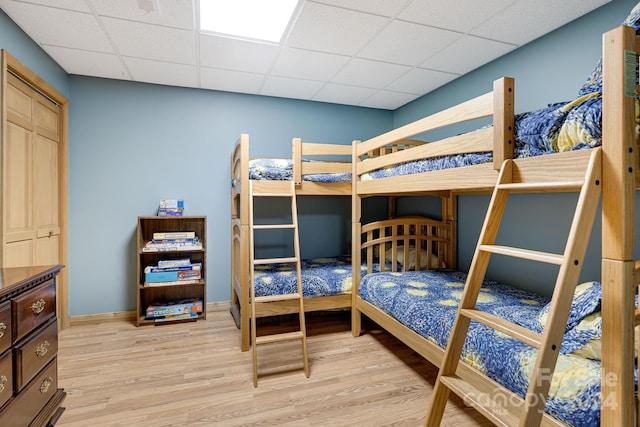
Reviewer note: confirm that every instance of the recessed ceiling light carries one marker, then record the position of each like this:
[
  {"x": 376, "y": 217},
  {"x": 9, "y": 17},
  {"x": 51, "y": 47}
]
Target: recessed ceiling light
[{"x": 264, "y": 20}]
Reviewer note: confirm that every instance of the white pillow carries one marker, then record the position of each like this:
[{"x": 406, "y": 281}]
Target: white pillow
[{"x": 424, "y": 257}]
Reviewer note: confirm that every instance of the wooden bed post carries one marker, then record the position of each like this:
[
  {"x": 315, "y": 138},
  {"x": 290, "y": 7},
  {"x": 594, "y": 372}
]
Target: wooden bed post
[
  {"x": 450, "y": 215},
  {"x": 356, "y": 229},
  {"x": 503, "y": 120},
  {"x": 618, "y": 226}
]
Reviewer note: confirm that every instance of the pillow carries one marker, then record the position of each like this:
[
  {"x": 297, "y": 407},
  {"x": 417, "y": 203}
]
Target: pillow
[
  {"x": 424, "y": 257},
  {"x": 594, "y": 81},
  {"x": 586, "y": 300},
  {"x": 591, "y": 329}
]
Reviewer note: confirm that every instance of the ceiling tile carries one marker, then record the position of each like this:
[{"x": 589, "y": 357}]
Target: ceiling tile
[
  {"x": 419, "y": 81},
  {"x": 165, "y": 73},
  {"x": 86, "y": 63},
  {"x": 308, "y": 65},
  {"x": 134, "y": 39},
  {"x": 234, "y": 54},
  {"x": 170, "y": 13},
  {"x": 290, "y": 88},
  {"x": 522, "y": 22},
  {"x": 230, "y": 81},
  {"x": 407, "y": 43},
  {"x": 467, "y": 54},
  {"x": 387, "y": 100},
  {"x": 376, "y": 7},
  {"x": 458, "y": 15},
  {"x": 333, "y": 30},
  {"x": 372, "y": 74},
  {"x": 343, "y": 94},
  {"x": 51, "y": 26},
  {"x": 78, "y": 6}
]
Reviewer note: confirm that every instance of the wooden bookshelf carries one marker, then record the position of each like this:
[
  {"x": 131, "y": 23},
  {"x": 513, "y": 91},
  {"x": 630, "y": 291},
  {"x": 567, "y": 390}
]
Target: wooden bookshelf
[{"x": 147, "y": 225}]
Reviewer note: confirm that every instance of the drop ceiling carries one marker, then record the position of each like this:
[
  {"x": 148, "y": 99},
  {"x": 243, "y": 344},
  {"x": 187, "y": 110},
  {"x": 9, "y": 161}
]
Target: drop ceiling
[{"x": 369, "y": 53}]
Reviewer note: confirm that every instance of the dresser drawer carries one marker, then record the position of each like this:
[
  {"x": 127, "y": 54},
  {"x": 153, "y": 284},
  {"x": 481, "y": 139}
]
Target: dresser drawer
[
  {"x": 22, "y": 409},
  {"x": 31, "y": 355},
  {"x": 6, "y": 378},
  {"x": 32, "y": 309},
  {"x": 5, "y": 326}
]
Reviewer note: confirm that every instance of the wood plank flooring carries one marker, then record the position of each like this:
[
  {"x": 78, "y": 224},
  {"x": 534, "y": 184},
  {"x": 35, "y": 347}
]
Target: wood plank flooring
[{"x": 194, "y": 373}]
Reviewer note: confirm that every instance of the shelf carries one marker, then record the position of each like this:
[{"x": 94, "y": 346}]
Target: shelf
[{"x": 170, "y": 292}]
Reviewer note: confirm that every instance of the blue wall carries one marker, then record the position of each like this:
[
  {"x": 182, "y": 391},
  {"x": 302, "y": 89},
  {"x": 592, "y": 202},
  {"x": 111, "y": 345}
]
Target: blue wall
[
  {"x": 547, "y": 70},
  {"x": 132, "y": 144}
]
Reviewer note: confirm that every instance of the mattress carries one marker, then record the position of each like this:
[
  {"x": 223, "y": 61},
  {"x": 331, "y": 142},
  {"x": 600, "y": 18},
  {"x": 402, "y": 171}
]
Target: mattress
[
  {"x": 427, "y": 301},
  {"x": 282, "y": 170},
  {"x": 320, "y": 277}
]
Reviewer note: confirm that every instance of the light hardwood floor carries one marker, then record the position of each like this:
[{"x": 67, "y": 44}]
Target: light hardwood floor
[{"x": 194, "y": 373}]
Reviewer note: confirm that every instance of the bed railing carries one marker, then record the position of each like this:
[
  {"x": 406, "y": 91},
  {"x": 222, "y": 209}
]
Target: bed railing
[{"x": 412, "y": 242}]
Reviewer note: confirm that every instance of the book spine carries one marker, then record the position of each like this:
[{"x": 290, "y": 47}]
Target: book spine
[
  {"x": 167, "y": 248},
  {"x": 158, "y": 269},
  {"x": 176, "y": 282},
  {"x": 174, "y": 235},
  {"x": 192, "y": 241},
  {"x": 174, "y": 309},
  {"x": 174, "y": 262},
  {"x": 172, "y": 276}
]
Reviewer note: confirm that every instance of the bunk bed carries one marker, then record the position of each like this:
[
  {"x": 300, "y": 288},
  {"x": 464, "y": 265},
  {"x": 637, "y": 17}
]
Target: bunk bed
[
  {"x": 602, "y": 311},
  {"x": 317, "y": 169},
  {"x": 326, "y": 281}
]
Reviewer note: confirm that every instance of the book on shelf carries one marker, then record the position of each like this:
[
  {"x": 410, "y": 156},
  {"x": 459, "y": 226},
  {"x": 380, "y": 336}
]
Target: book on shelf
[
  {"x": 157, "y": 310},
  {"x": 171, "y": 207},
  {"x": 173, "y": 283},
  {"x": 159, "y": 245},
  {"x": 159, "y": 269},
  {"x": 171, "y": 275},
  {"x": 158, "y": 235},
  {"x": 176, "y": 318},
  {"x": 170, "y": 263}
]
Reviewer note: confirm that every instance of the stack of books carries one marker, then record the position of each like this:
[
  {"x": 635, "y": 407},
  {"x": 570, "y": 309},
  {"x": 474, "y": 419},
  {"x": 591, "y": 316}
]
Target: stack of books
[
  {"x": 173, "y": 241},
  {"x": 171, "y": 207},
  {"x": 172, "y": 272},
  {"x": 173, "y": 311}
]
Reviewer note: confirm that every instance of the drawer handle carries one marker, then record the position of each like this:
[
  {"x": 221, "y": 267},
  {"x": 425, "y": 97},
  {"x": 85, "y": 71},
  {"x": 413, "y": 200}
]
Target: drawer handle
[
  {"x": 3, "y": 381},
  {"x": 46, "y": 383},
  {"x": 42, "y": 349},
  {"x": 3, "y": 328},
  {"x": 38, "y": 306}
]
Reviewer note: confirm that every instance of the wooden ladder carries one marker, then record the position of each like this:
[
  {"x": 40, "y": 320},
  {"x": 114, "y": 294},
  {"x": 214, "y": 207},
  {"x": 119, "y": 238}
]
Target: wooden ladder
[
  {"x": 284, "y": 189},
  {"x": 530, "y": 410}
]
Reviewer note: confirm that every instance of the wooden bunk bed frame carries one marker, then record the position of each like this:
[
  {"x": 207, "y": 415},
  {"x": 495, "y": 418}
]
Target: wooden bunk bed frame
[
  {"x": 620, "y": 273},
  {"x": 240, "y": 158}
]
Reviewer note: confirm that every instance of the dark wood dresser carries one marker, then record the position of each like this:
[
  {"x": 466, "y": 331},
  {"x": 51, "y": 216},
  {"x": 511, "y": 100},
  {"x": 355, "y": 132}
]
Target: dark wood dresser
[{"x": 29, "y": 393}]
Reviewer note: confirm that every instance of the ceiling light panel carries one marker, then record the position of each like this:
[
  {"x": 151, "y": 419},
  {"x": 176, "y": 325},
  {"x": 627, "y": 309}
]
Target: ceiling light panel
[{"x": 264, "y": 20}]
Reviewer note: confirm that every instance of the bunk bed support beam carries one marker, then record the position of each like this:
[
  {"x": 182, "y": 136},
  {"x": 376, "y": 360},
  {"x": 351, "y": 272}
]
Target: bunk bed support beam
[{"x": 620, "y": 154}]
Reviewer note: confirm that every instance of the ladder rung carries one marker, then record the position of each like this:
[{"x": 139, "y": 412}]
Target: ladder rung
[
  {"x": 518, "y": 332},
  {"x": 547, "y": 257},
  {"x": 273, "y": 226},
  {"x": 274, "y": 260},
  {"x": 288, "y": 336},
  {"x": 542, "y": 186},
  {"x": 278, "y": 297},
  {"x": 490, "y": 408}
]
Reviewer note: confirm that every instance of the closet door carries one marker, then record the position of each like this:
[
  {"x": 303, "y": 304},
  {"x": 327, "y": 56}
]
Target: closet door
[
  {"x": 31, "y": 180},
  {"x": 46, "y": 184},
  {"x": 17, "y": 164}
]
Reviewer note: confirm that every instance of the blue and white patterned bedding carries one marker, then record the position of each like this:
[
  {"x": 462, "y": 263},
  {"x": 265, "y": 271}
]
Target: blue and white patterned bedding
[
  {"x": 320, "y": 277},
  {"x": 282, "y": 170},
  {"x": 426, "y": 301}
]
